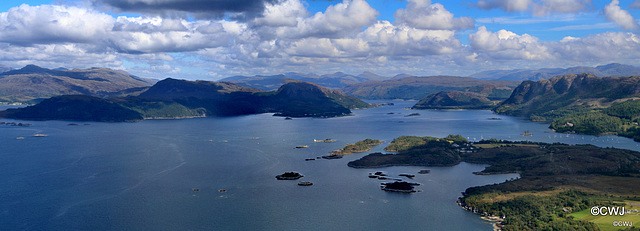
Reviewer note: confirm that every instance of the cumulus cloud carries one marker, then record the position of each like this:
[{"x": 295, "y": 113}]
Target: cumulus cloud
[
  {"x": 537, "y": 7},
  {"x": 603, "y": 47},
  {"x": 285, "y": 13},
  {"x": 391, "y": 40},
  {"x": 339, "y": 20},
  {"x": 422, "y": 14},
  {"x": 27, "y": 25},
  {"x": 508, "y": 45},
  {"x": 286, "y": 37},
  {"x": 56, "y": 55},
  {"x": 621, "y": 17},
  {"x": 150, "y": 35},
  {"x": 196, "y": 8}
]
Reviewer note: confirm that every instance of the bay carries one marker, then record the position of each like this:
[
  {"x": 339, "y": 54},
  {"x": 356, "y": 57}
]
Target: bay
[{"x": 142, "y": 176}]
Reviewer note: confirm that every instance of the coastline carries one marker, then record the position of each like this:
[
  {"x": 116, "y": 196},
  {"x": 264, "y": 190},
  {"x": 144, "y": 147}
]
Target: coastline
[
  {"x": 392, "y": 165},
  {"x": 494, "y": 220},
  {"x": 480, "y": 173}
]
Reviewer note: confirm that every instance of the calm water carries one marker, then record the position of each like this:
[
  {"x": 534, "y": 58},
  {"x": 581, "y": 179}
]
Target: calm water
[{"x": 141, "y": 176}]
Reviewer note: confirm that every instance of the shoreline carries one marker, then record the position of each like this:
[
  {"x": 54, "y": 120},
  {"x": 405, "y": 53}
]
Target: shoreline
[
  {"x": 392, "y": 165},
  {"x": 480, "y": 173},
  {"x": 495, "y": 220}
]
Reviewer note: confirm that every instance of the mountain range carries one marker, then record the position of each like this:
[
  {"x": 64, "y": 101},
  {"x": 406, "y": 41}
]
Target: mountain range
[
  {"x": 416, "y": 88},
  {"x": 173, "y": 98},
  {"x": 609, "y": 70},
  {"x": 272, "y": 82},
  {"x": 33, "y": 83}
]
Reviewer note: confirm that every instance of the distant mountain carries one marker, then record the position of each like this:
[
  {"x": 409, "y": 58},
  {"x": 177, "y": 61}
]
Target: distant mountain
[
  {"x": 336, "y": 80},
  {"x": 33, "y": 82},
  {"x": 4, "y": 68},
  {"x": 172, "y": 98},
  {"x": 416, "y": 88},
  {"x": 561, "y": 92},
  {"x": 609, "y": 70},
  {"x": 582, "y": 103},
  {"x": 454, "y": 100}
]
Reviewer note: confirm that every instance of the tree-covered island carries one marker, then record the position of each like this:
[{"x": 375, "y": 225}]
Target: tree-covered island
[{"x": 360, "y": 146}]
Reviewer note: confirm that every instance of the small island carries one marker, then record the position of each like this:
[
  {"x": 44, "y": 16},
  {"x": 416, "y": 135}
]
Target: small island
[
  {"x": 447, "y": 100},
  {"x": 360, "y": 146},
  {"x": 323, "y": 141},
  {"x": 417, "y": 151},
  {"x": 305, "y": 183},
  {"x": 398, "y": 186},
  {"x": 289, "y": 176}
]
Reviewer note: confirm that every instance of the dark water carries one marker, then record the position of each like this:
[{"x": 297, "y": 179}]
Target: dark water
[{"x": 141, "y": 176}]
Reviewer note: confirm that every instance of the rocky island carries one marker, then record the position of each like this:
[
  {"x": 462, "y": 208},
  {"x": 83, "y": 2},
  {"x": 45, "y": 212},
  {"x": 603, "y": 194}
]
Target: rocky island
[
  {"x": 360, "y": 146},
  {"x": 289, "y": 176},
  {"x": 398, "y": 186}
]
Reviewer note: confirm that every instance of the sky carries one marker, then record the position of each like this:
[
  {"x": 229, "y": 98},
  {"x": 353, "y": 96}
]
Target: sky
[{"x": 214, "y": 39}]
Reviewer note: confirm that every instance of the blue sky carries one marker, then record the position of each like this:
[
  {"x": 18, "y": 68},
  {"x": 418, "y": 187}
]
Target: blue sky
[{"x": 221, "y": 38}]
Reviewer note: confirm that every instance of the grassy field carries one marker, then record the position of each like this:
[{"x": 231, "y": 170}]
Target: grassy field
[{"x": 605, "y": 223}]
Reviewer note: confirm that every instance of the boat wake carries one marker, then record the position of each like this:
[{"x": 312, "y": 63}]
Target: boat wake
[{"x": 64, "y": 209}]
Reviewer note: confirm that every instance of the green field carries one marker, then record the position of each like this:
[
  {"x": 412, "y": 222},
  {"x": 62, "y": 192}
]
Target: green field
[{"x": 606, "y": 222}]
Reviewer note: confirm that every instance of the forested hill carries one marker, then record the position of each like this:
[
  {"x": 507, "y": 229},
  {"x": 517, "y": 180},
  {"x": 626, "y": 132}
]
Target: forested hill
[
  {"x": 172, "y": 98},
  {"x": 582, "y": 103},
  {"x": 584, "y": 90},
  {"x": 454, "y": 100}
]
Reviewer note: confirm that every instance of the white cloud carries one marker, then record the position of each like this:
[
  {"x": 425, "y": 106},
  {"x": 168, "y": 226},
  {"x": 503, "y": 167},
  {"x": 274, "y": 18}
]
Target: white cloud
[
  {"x": 560, "y": 6},
  {"x": 58, "y": 55},
  {"x": 27, "y": 25},
  {"x": 339, "y": 20},
  {"x": 604, "y": 47},
  {"x": 421, "y": 14},
  {"x": 345, "y": 37},
  {"x": 390, "y": 40},
  {"x": 621, "y": 17},
  {"x": 508, "y": 45},
  {"x": 149, "y": 35},
  {"x": 537, "y": 7},
  {"x": 286, "y": 13}
]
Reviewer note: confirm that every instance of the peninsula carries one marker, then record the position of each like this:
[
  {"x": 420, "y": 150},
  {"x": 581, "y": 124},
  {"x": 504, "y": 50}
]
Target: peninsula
[{"x": 582, "y": 103}]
